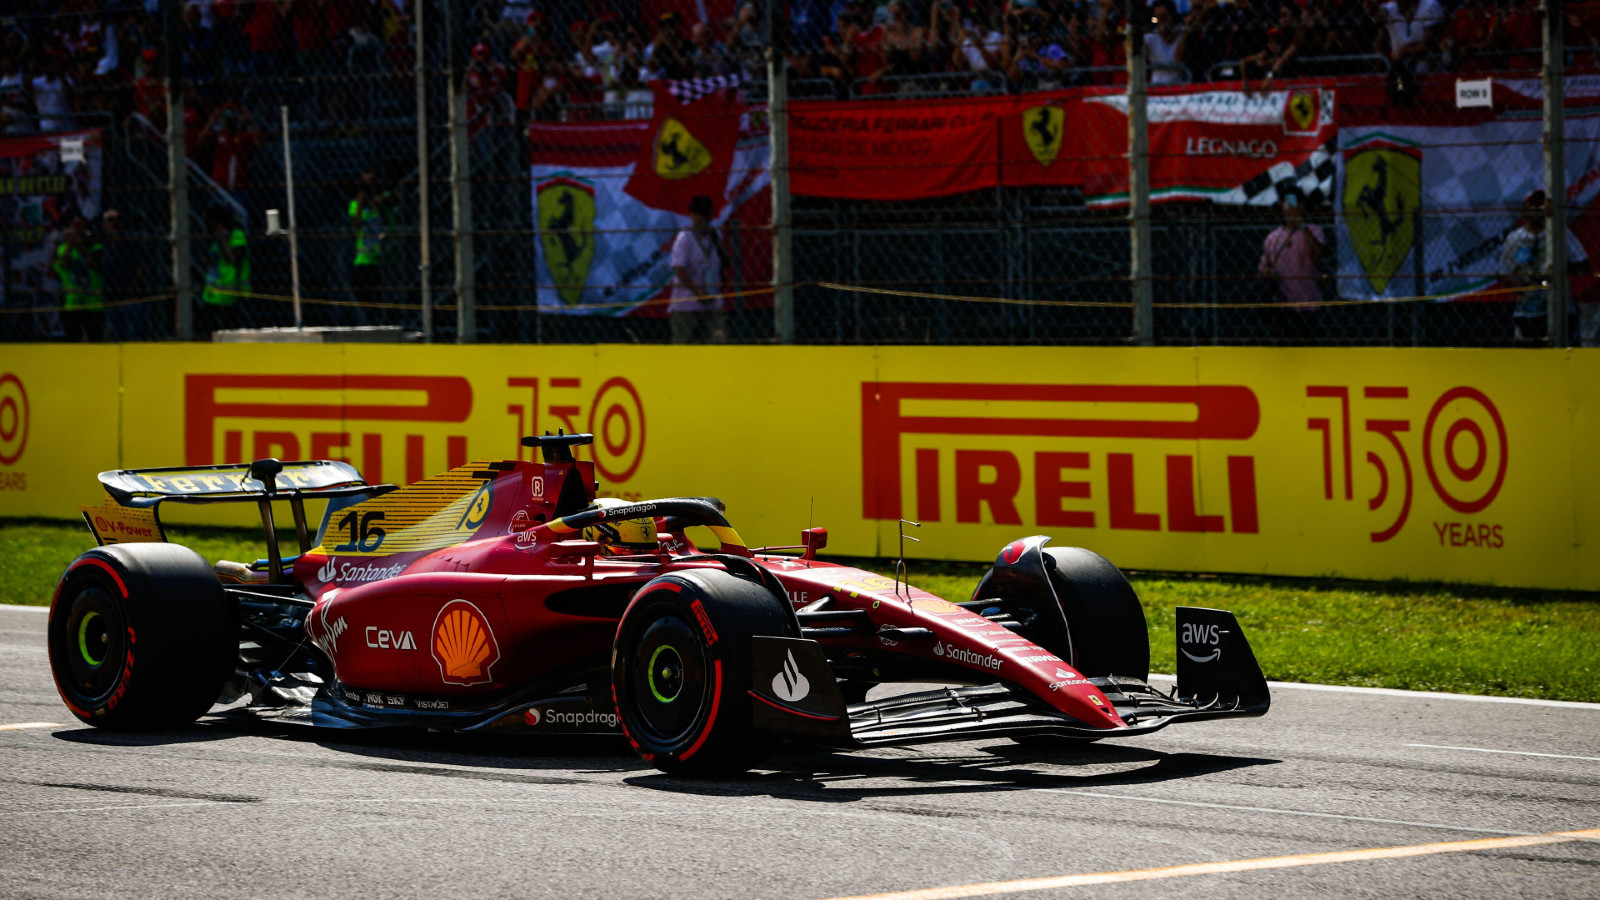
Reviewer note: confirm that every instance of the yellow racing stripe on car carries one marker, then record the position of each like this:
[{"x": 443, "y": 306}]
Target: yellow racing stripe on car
[
  {"x": 560, "y": 526},
  {"x": 727, "y": 535}
]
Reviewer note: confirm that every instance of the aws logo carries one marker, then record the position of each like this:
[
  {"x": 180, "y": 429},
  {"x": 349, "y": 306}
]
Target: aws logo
[
  {"x": 1201, "y": 637},
  {"x": 566, "y": 211},
  {"x": 1382, "y": 191}
]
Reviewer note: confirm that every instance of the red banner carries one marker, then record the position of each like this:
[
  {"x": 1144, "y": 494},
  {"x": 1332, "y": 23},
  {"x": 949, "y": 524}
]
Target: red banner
[
  {"x": 1204, "y": 144},
  {"x": 893, "y": 150}
]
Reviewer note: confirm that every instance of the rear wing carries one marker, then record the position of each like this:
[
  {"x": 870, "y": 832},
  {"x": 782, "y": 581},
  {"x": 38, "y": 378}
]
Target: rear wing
[
  {"x": 142, "y": 488},
  {"x": 139, "y": 493}
]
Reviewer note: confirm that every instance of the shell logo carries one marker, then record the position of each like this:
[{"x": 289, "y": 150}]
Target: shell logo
[{"x": 464, "y": 644}]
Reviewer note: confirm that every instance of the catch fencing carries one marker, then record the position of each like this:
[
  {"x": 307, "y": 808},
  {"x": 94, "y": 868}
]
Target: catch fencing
[{"x": 497, "y": 192}]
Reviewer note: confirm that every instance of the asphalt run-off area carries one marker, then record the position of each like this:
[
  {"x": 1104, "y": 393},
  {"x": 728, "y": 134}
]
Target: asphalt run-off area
[{"x": 1335, "y": 793}]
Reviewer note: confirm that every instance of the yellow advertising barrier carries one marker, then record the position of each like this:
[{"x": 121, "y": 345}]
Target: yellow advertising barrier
[{"x": 1460, "y": 465}]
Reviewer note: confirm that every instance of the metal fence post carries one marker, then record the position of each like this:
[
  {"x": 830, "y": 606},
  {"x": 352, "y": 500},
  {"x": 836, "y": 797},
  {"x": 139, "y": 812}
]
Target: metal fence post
[
  {"x": 1555, "y": 174},
  {"x": 1139, "y": 177},
  {"x": 460, "y": 178},
  {"x": 177, "y": 175},
  {"x": 778, "y": 169},
  {"x": 424, "y": 232}
]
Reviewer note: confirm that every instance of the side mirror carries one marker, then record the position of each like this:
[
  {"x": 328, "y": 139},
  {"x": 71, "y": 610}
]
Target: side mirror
[{"x": 813, "y": 539}]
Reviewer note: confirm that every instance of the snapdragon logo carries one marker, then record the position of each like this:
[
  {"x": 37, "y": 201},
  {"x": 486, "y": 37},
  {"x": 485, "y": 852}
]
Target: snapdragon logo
[
  {"x": 553, "y": 716},
  {"x": 962, "y": 655}
]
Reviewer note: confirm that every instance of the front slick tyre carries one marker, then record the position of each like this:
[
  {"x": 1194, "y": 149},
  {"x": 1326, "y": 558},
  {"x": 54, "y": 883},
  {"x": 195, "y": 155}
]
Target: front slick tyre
[
  {"x": 141, "y": 636},
  {"x": 680, "y": 671}
]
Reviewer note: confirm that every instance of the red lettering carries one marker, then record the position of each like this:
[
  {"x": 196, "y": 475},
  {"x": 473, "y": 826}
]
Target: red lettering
[
  {"x": 1470, "y": 538},
  {"x": 279, "y": 444},
  {"x": 233, "y": 446},
  {"x": 372, "y": 458},
  {"x": 324, "y": 443},
  {"x": 415, "y": 470},
  {"x": 1483, "y": 535},
  {"x": 455, "y": 451},
  {"x": 1499, "y": 541},
  {"x": 1181, "y": 513},
  {"x": 444, "y": 399},
  {"x": 1242, "y": 494},
  {"x": 1440, "y": 528},
  {"x": 928, "y": 485},
  {"x": 1455, "y": 534},
  {"x": 1049, "y": 490},
  {"x": 972, "y": 491},
  {"x": 1221, "y": 412},
  {"x": 1124, "y": 512}
]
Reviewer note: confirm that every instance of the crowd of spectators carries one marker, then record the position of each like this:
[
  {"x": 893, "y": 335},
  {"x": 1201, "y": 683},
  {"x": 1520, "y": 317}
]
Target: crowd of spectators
[{"x": 585, "y": 59}]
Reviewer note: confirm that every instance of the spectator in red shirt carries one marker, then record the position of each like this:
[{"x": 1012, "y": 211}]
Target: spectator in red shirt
[
  {"x": 529, "y": 57},
  {"x": 487, "y": 100},
  {"x": 1524, "y": 35},
  {"x": 233, "y": 136},
  {"x": 1473, "y": 32},
  {"x": 150, "y": 90},
  {"x": 268, "y": 43}
]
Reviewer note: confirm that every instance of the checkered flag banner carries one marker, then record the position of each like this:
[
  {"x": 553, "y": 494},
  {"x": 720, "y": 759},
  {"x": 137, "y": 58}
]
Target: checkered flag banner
[
  {"x": 1312, "y": 180},
  {"x": 689, "y": 90}
]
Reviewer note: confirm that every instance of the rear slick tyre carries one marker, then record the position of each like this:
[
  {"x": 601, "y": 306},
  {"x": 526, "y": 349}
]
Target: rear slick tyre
[
  {"x": 141, "y": 636},
  {"x": 681, "y": 671}
]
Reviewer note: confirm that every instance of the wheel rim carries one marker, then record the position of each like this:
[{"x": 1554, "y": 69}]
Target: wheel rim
[
  {"x": 669, "y": 688},
  {"x": 94, "y": 643}
]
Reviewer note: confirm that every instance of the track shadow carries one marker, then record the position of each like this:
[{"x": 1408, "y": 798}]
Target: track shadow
[
  {"x": 200, "y": 732},
  {"x": 832, "y": 777}
]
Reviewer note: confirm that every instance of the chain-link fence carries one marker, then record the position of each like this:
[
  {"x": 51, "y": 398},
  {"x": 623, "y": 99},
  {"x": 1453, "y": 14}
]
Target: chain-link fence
[{"x": 956, "y": 172}]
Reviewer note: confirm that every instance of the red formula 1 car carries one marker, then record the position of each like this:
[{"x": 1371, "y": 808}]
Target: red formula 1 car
[{"x": 502, "y": 596}]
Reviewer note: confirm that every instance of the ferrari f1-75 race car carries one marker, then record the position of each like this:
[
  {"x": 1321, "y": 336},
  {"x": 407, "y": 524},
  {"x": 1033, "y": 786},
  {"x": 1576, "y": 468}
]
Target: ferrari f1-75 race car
[{"x": 502, "y": 596}]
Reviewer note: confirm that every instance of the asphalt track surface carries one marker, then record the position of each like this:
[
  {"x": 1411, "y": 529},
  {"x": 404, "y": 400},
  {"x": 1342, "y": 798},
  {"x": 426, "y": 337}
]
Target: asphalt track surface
[{"x": 1313, "y": 795}]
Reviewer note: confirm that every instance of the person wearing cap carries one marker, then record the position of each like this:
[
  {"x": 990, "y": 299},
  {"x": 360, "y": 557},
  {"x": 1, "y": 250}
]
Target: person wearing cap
[
  {"x": 1289, "y": 257},
  {"x": 77, "y": 267},
  {"x": 670, "y": 55},
  {"x": 696, "y": 312},
  {"x": 227, "y": 274}
]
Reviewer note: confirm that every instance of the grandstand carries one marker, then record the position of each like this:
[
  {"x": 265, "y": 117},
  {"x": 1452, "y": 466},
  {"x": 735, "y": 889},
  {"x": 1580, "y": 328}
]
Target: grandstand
[{"x": 994, "y": 252}]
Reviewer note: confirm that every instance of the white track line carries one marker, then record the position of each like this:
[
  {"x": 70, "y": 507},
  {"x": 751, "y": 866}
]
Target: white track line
[
  {"x": 1414, "y": 695},
  {"x": 992, "y": 888},
  {"x": 27, "y": 607},
  {"x": 1272, "y": 810},
  {"x": 1511, "y": 752},
  {"x": 19, "y": 726}
]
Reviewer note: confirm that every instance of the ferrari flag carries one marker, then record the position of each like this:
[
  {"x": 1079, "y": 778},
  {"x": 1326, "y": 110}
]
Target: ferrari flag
[
  {"x": 690, "y": 150},
  {"x": 605, "y": 217}
]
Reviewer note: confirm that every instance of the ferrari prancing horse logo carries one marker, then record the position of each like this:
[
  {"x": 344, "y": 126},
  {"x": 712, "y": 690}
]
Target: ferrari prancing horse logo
[
  {"x": 566, "y": 211},
  {"x": 1042, "y": 128},
  {"x": 1382, "y": 190},
  {"x": 678, "y": 153}
]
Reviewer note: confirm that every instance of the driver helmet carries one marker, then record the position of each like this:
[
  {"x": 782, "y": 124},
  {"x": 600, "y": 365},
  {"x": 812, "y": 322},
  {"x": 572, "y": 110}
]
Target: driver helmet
[{"x": 621, "y": 537}]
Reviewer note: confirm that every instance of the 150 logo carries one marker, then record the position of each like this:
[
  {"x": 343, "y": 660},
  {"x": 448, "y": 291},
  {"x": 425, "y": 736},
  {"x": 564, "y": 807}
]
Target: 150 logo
[
  {"x": 13, "y": 430},
  {"x": 1463, "y": 445}
]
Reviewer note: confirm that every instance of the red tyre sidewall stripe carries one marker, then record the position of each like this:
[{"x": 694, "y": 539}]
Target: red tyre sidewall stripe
[
  {"x": 122, "y": 677},
  {"x": 711, "y": 720}
]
